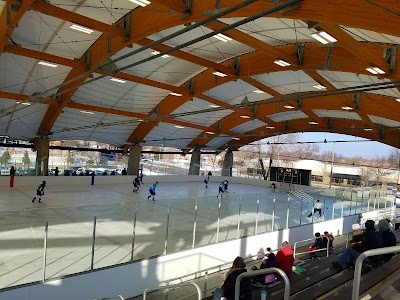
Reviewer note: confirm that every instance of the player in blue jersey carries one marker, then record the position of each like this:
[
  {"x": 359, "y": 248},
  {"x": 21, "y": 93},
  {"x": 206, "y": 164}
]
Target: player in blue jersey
[{"x": 152, "y": 191}]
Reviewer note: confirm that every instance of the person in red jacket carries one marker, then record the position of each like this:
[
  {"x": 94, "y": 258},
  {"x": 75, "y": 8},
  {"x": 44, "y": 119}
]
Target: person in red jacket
[{"x": 285, "y": 259}]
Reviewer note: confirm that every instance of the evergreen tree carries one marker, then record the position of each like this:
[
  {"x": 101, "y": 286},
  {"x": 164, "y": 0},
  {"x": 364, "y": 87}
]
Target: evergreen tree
[
  {"x": 26, "y": 160},
  {"x": 5, "y": 157}
]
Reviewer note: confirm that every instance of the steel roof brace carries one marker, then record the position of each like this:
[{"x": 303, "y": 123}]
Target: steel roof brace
[
  {"x": 191, "y": 86},
  {"x": 391, "y": 58},
  {"x": 287, "y": 124},
  {"x": 381, "y": 133},
  {"x": 300, "y": 53},
  {"x": 188, "y": 7},
  {"x": 87, "y": 60},
  {"x": 328, "y": 57},
  {"x": 330, "y": 123},
  {"x": 217, "y": 4},
  {"x": 127, "y": 27},
  {"x": 254, "y": 111},
  {"x": 299, "y": 102},
  {"x": 356, "y": 99},
  {"x": 236, "y": 66}
]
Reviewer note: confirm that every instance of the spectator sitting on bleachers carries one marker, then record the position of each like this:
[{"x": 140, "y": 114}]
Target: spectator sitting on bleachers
[
  {"x": 227, "y": 290},
  {"x": 269, "y": 261},
  {"x": 285, "y": 259},
  {"x": 319, "y": 243},
  {"x": 370, "y": 240},
  {"x": 356, "y": 236},
  {"x": 330, "y": 237},
  {"x": 389, "y": 239}
]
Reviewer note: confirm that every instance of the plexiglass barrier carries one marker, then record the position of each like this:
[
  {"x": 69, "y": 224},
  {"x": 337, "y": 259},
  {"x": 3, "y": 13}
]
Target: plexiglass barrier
[{"x": 85, "y": 238}]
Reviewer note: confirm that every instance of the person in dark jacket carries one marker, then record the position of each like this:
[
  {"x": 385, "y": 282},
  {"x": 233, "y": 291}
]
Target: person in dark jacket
[
  {"x": 371, "y": 240},
  {"x": 228, "y": 288},
  {"x": 389, "y": 239},
  {"x": 319, "y": 243},
  {"x": 269, "y": 261}
]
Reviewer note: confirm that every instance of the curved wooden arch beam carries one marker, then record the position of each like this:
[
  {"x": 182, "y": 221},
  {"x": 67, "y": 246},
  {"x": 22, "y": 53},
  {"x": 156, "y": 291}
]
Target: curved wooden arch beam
[
  {"x": 371, "y": 56},
  {"x": 67, "y": 15},
  {"x": 254, "y": 43},
  {"x": 391, "y": 136},
  {"x": 9, "y": 19},
  {"x": 143, "y": 25},
  {"x": 252, "y": 64}
]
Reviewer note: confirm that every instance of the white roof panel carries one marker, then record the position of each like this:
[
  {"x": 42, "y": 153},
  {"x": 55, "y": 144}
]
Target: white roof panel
[
  {"x": 235, "y": 91},
  {"x": 218, "y": 142},
  {"x": 338, "y": 114},
  {"x": 211, "y": 49},
  {"x": 384, "y": 121},
  {"x": 288, "y": 82},
  {"x": 275, "y": 31},
  {"x": 204, "y": 119},
  {"x": 371, "y": 36},
  {"x": 248, "y": 126},
  {"x": 127, "y": 96},
  {"x": 23, "y": 121},
  {"x": 345, "y": 79},
  {"x": 24, "y": 75},
  {"x": 170, "y": 136},
  {"x": 288, "y": 115},
  {"x": 169, "y": 70}
]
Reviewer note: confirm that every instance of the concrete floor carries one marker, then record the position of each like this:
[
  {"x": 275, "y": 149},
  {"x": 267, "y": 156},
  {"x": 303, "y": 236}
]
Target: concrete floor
[{"x": 70, "y": 211}]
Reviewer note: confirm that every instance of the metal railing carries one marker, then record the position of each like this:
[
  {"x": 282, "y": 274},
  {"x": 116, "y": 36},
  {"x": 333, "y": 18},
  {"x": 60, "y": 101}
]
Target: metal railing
[
  {"x": 193, "y": 245},
  {"x": 308, "y": 252},
  {"x": 199, "y": 294},
  {"x": 286, "y": 292},
  {"x": 269, "y": 212},
  {"x": 358, "y": 266}
]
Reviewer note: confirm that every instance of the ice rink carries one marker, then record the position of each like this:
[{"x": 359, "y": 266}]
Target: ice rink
[{"x": 184, "y": 215}]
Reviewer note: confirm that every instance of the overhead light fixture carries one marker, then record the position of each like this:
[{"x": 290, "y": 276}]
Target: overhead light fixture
[
  {"x": 180, "y": 127},
  {"x": 87, "y": 112},
  {"x": 117, "y": 80},
  {"x": 375, "y": 70},
  {"x": 259, "y": 92},
  {"x": 175, "y": 94},
  {"x": 26, "y": 103},
  {"x": 270, "y": 127},
  {"x": 81, "y": 28},
  {"x": 313, "y": 123},
  {"x": 319, "y": 87},
  {"x": 398, "y": 99},
  {"x": 235, "y": 138},
  {"x": 223, "y": 37},
  {"x": 245, "y": 117},
  {"x": 282, "y": 63},
  {"x": 219, "y": 74},
  {"x": 367, "y": 129},
  {"x": 43, "y": 63},
  {"x": 347, "y": 108},
  {"x": 140, "y": 120},
  {"x": 214, "y": 106},
  {"x": 142, "y": 3},
  {"x": 210, "y": 132},
  {"x": 158, "y": 52},
  {"x": 289, "y": 106},
  {"x": 323, "y": 37},
  {"x": 18, "y": 102}
]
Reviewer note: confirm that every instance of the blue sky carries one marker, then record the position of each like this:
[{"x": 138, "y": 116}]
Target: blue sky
[{"x": 367, "y": 149}]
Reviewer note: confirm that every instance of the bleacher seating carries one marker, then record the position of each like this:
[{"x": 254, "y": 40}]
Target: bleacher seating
[{"x": 319, "y": 280}]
